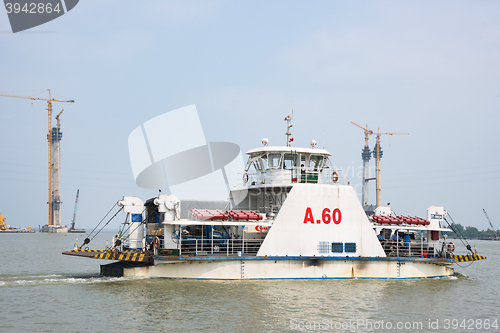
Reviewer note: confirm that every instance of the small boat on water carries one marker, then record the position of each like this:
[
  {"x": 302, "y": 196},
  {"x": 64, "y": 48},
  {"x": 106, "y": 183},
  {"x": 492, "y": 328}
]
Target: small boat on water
[{"x": 291, "y": 216}]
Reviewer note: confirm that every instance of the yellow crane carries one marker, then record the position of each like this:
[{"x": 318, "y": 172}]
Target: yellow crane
[
  {"x": 377, "y": 152},
  {"x": 59, "y": 120},
  {"x": 50, "y": 140},
  {"x": 3, "y": 226}
]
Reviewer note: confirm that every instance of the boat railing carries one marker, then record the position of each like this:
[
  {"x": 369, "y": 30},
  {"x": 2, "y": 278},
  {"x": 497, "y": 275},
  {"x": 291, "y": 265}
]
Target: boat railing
[
  {"x": 412, "y": 249},
  {"x": 292, "y": 175},
  {"x": 219, "y": 247},
  {"x": 244, "y": 247}
]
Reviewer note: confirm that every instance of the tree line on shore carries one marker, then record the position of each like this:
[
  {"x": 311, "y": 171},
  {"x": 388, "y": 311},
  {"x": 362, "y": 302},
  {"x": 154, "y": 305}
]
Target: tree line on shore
[{"x": 472, "y": 232}]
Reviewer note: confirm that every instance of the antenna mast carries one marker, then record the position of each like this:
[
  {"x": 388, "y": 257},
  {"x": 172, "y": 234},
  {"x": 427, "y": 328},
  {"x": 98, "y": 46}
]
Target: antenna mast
[{"x": 288, "y": 120}]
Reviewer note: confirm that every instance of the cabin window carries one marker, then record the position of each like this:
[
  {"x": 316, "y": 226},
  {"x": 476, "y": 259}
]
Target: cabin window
[
  {"x": 350, "y": 247},
  {"x": 290, "y": 160},
  {"x": 326, "y": 164},
  {"x": 337, "y": 247},
  {"x": 257, "y": 165},
  {"x": 315, "y": 162},
  {"x": 274, "y": 161},
  {"x": 254, "y": 161},
  {"x": 264, "y": 162},
  {"x": 323, "y": 247}
]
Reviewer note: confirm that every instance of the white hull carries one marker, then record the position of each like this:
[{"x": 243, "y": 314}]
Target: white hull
[{"x": 281, "y": 268}]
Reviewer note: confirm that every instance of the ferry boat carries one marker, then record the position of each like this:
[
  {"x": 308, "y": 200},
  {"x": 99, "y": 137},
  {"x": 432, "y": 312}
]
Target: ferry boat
[{"x": 291, "y": 216}]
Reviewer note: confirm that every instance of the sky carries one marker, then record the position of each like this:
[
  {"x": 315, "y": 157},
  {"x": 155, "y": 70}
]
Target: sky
[{"x": 427, "y": 68}]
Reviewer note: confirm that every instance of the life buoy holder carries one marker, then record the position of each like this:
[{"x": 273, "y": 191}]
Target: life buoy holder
[
  {"x": 245, "y": 178},
  {"x": 156, "y": 243},
  {"x": 335, "y": 176},
  {"x": 451, "y": 247}
]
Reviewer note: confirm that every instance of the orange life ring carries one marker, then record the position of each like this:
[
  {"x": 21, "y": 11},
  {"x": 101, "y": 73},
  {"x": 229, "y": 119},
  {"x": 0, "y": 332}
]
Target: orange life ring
[
  {"x": 245, "y": 178},
  {"x": 156, "y": 243},
  {"x": 335, "y": 176},
  {"x": 451, "y": 247}
]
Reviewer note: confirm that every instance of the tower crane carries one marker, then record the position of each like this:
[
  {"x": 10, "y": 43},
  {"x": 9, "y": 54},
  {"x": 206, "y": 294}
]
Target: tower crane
[
  {"x": 377, "y": 154},
  {"x": 53, "y": 137}
]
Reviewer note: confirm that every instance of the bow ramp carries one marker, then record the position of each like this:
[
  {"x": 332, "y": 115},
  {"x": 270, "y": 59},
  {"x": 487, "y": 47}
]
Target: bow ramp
[
  {"x": 133, "y": 256},
  {"x": 467, "y": 257}
]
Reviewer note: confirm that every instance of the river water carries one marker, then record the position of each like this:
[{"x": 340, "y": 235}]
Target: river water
[{"x": 42, "y": 290}]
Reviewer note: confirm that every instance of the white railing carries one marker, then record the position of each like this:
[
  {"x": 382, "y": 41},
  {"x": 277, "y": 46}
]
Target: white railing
[
  {"x": 414, "y": 249},
  {"x": 219, "y": 247},
  {"x": 292, "y": 176},
  {"x": 245, "y": 247}
]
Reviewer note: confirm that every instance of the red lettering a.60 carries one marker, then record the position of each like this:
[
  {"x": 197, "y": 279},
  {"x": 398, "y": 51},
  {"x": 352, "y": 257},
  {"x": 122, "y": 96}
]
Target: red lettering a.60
[{"x": 326, "y": 217}]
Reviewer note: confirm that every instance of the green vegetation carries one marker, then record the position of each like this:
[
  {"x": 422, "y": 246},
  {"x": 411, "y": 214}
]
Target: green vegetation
[{"x": 473, "y": 232}]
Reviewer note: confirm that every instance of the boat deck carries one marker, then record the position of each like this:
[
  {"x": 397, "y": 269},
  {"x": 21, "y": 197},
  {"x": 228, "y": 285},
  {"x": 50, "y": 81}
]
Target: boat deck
[{"x": 219, "y": 257}]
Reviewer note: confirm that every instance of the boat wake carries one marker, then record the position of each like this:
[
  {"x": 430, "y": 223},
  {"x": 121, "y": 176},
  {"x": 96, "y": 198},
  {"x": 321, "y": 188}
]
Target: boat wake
[
  {"x": 55, "y": 279},
  {"x": 459, "y": 276}
]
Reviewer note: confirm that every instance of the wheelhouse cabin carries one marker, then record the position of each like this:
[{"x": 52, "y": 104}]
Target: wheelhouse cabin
[{"x": 271, "y": 172}]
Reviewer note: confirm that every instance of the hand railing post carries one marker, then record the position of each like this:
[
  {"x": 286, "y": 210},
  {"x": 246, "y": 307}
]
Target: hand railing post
[
  {"x": 397, "y": 243},
  {"x": 180, "y": 240},
  {"x": 422, "y": 243},
  {"x": 409, "y": 248}
]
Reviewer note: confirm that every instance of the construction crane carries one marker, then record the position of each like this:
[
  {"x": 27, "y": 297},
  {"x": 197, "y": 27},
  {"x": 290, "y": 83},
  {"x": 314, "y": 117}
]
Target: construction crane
[
  {"x": 488, "y": 218},
  {"x": 72, "y": 229},
  {"x": 54, "y": 137},
  {"x": 377, "y": 154},
  {"x": 59, "y": 120},
  {"x": 365, "y": 155},
  {"x": 74, "y": 213}
]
